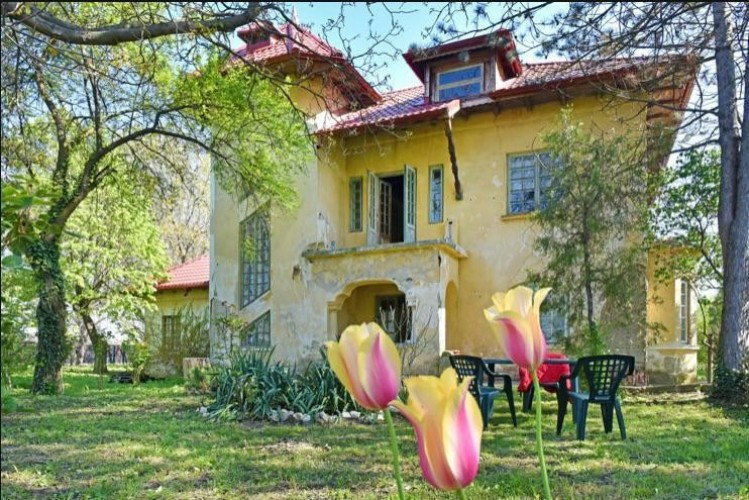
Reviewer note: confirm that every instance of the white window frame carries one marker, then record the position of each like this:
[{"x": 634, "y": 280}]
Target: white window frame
[
  {"x": 460, "y": 83},
  {"x": 536, "y": 180}
]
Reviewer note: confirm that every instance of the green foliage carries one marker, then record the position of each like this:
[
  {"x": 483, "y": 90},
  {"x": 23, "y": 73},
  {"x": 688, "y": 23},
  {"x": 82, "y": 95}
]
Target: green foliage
[
  {"x": 253, "y": 387},
  {"x": 265, "y": 137},
  {"x": 8, "y": 402},
  {"x": 23, "y": 199},
  {"x": 112, "y": 252},
  {"x": 590, "y": 228},
  {"x": 686, "y": 215},
  {"x": 138, "y": 354},
  {"x": 127, "y": 442},
  {"x": 111, "y": 256},
  {"x": 78, "y": 116},
  {"x": 200, "y": 379},
  {"x": 17, "y": 316}
]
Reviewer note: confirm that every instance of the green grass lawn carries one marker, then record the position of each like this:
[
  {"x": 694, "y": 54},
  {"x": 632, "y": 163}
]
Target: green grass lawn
[{"x": 149, "y": 442}]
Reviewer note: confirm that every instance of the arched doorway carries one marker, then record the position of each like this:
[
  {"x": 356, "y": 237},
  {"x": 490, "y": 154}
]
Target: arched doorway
[{"x": 380, "y": 301}]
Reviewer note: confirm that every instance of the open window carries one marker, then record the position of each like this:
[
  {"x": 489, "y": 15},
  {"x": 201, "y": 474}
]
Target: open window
[{"x": 391, "y": 210}]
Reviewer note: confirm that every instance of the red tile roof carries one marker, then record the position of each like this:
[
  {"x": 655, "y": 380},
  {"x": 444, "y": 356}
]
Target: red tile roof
[
  {"x": 192, "y": 274},
  {"x": 287, "y": 41},
  {"x": 403, "y": 106},
  {"x": 396, "y": 107}
]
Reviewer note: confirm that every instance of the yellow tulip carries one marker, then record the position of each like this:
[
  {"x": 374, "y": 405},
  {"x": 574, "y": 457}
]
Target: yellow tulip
[
  {"x": 448, "y": 426},
  {"x": 367, "y": 363},
  {"x": 515, "y": 318}
]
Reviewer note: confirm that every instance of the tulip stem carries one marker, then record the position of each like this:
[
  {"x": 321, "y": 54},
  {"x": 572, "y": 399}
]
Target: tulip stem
[
  {"x": 461, "y": 493},
  {"x": 539, "y": 440},
  {"x": 394, "y": 449}
]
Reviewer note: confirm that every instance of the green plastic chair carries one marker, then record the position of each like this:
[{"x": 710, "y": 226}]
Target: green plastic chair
[
  {"x": 603, "y": 375},
  {"x": 472, "y": 366}
]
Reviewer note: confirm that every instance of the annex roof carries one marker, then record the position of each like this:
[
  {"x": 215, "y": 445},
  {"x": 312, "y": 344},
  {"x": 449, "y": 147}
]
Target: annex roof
[{"x": 193, "y": 274}]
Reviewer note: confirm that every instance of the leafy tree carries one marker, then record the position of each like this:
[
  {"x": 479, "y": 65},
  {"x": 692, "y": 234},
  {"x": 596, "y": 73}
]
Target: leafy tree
[
  {"x": 183, "y": 214},
  {"x": 112, "y": 256},
  {"x": 75, "y": 115},
  {"x": 589, "y": 224},
  {"x": 686, "y": 213}
]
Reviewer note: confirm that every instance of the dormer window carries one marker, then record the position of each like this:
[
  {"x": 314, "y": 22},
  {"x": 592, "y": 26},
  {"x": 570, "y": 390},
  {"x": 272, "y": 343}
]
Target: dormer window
[{"x": 458, "y": 83}]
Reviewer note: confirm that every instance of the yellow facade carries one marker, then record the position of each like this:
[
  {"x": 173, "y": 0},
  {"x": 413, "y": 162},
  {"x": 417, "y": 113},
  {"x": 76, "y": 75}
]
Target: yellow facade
[
  {"x": 325, "y": 274},
  {"x": 170, "y": 302},
  {"x": 672, "y": 307}
]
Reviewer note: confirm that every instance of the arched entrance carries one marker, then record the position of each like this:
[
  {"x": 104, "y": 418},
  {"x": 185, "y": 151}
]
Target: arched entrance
[{"x": 379, "y": 301}]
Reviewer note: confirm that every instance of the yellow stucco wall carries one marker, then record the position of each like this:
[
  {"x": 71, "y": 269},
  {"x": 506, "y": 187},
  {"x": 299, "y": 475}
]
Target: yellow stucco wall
[
  {"x": 169, "y": 302},
  {"x": 499, "y": 248}
]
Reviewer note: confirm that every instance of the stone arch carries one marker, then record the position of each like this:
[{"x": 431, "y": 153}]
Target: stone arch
[{"x": 356, "y": 303}]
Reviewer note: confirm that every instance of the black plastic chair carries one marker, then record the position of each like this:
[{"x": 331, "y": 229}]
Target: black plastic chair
[
  {"x": 603, "y": 375},
  {"x": 471, "y": 366}
]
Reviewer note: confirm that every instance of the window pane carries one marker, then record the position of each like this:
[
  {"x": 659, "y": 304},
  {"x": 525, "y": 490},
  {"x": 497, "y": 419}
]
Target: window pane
[
  {"x": 435, "y": 194},
  {"x": 460, "y": 91},
  {"x": 530, "y": 181},
  {"x": 257, "y": 333},
  {"x": 459, "y": 75},
  {"x": 522, "y": 171},
  {"x": 553, "y": 320},
  {"x": 355, "y": 204},
  {"x": 255, "y": 255}
]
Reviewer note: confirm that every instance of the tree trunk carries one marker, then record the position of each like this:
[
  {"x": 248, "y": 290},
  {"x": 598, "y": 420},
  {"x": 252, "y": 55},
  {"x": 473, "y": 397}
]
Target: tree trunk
[
  {"x": 733, "y": 216},
  {"x": 52, "y": 347},
  {"x": 98, "y": 341},
  {"x": 593, "y": 337}
]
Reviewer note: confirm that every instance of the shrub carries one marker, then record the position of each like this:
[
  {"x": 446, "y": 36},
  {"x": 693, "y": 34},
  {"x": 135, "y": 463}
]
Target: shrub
[
  {"x": 254, "y": 387},
  {"x": 138, "y": 354},
  {"x": 199, "y": 379}
]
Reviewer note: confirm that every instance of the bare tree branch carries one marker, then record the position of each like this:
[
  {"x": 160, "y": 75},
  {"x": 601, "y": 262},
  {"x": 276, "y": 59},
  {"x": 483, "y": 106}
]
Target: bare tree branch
[{"x": 58, "y": 29}]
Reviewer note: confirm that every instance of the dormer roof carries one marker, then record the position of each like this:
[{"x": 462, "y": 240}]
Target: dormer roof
[{"x": 501, "y": 40}]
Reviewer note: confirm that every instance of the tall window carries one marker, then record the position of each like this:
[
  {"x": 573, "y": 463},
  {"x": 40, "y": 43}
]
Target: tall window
[
  {"x": 170, "y": 333},
  {"x": 529, "y": 182},
  {"x": 255, "y": 256},
  {"x": 435, "y": 193},
  {"x": 355, "y": 204},
  {"x": 462, "y": 82},
  {"x": 257, "y": 333},
  {"x": 554, "y": 319},
  {"x": 684, "y": 310}
]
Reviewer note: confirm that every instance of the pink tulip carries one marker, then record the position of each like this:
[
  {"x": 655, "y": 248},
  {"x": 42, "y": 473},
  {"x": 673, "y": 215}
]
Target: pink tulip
[
  {"x": 448, "y": 426},
  {"x": 367, "y": 363},
  {"x": 515, "y": 318}
]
